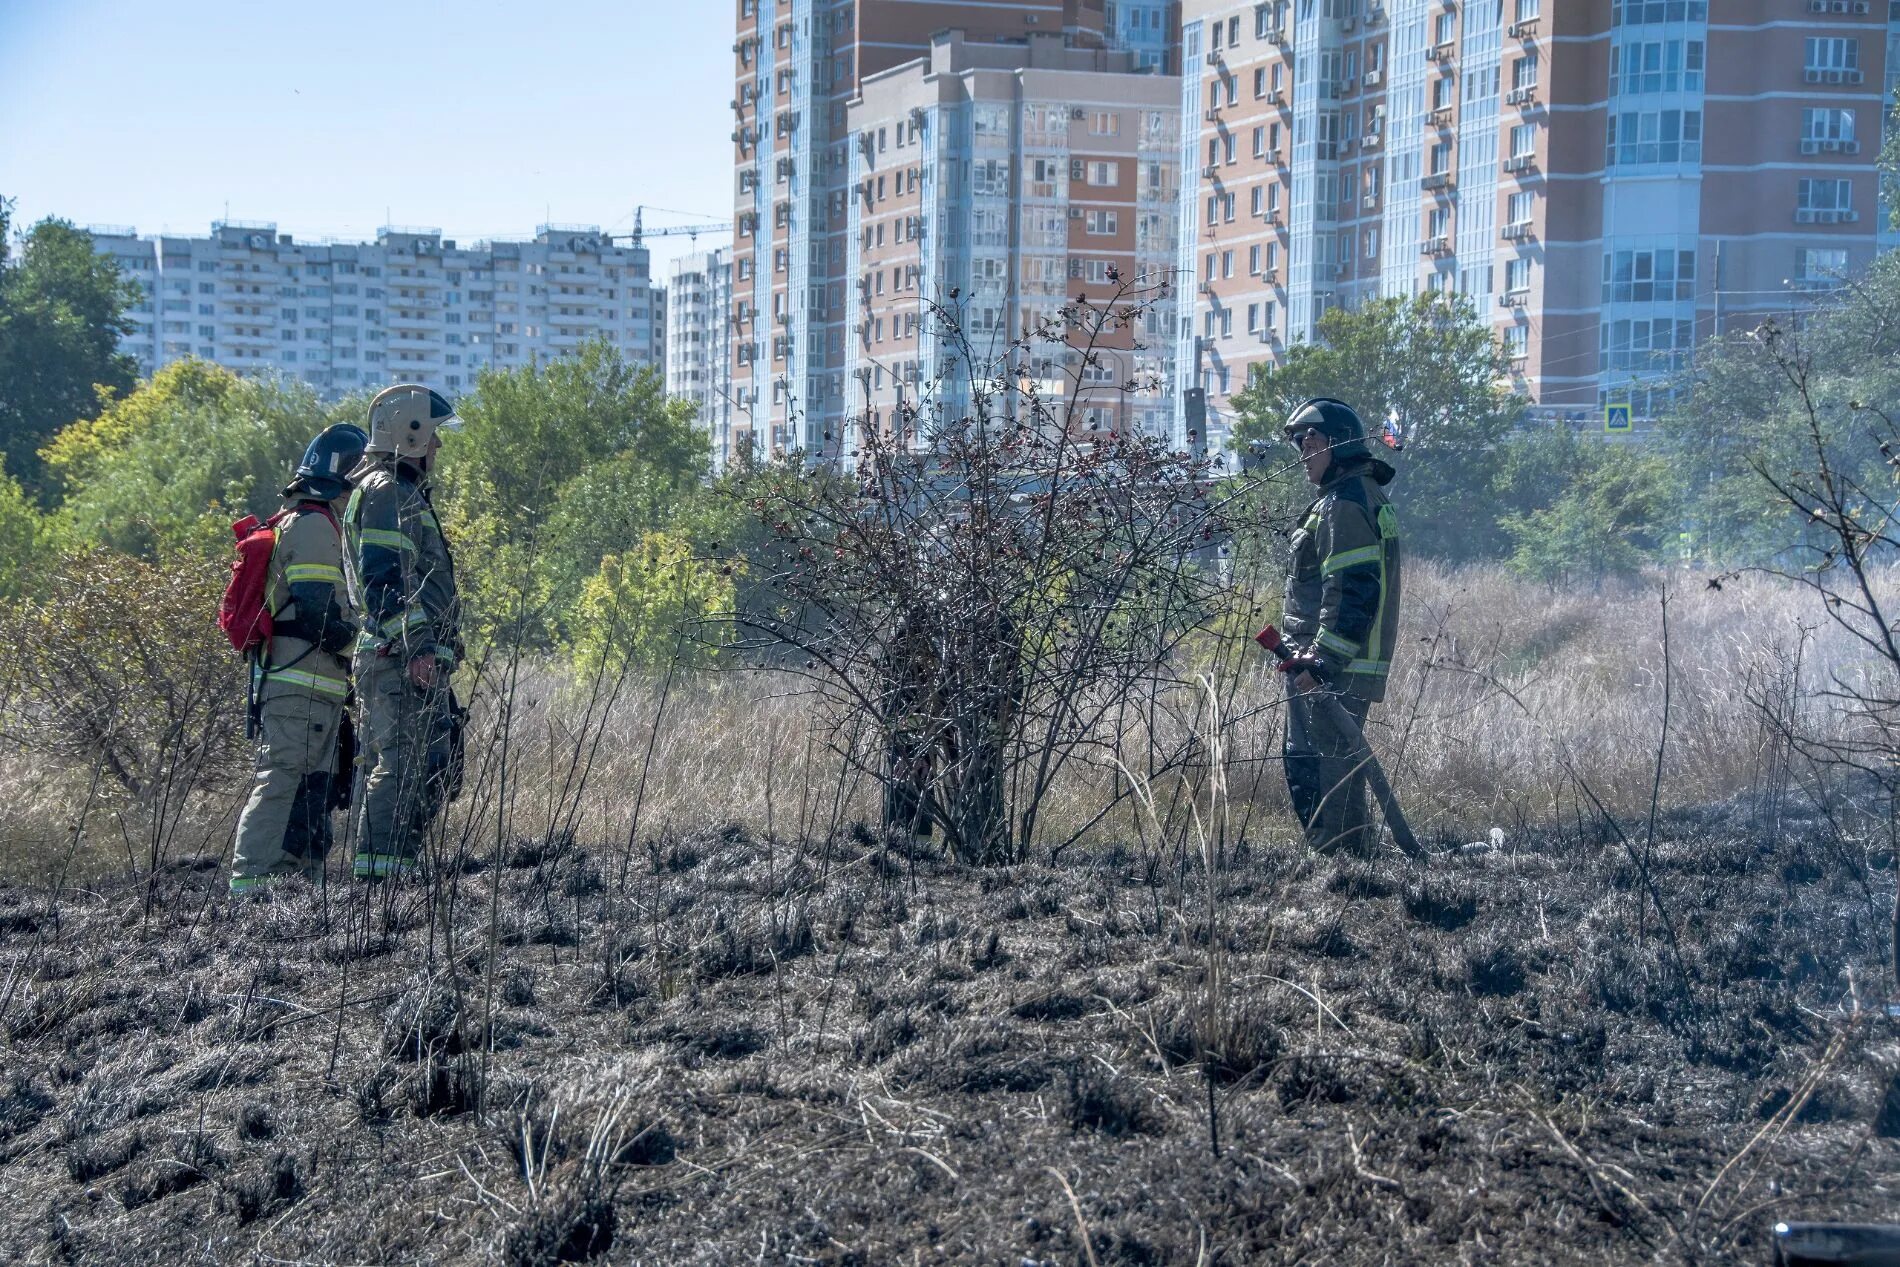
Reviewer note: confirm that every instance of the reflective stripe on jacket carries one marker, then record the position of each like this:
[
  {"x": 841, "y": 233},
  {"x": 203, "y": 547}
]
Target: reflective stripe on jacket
[
  {"x": 306, "y": 595},
  {"x": 1342, "y": 589}
]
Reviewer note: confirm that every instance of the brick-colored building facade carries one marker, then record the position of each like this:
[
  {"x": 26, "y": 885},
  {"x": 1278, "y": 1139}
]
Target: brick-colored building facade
[{"x": 1609, "y": 180}]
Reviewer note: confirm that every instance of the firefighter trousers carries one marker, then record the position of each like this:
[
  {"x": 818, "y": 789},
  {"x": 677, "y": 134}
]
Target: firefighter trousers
[
  {"x": 1325, "y": 771},
  {"x": 406, "y": 754},
  {"x": 285, "y": 826}
]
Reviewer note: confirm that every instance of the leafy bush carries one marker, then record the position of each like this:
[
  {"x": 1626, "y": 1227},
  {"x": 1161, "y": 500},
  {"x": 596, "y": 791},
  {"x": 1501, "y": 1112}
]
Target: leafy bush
[
  {"x": 170, "y": 465},
  {"x": 118, "y": 668}
]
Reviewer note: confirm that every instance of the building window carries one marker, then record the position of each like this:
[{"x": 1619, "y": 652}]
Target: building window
[
  {"x": 1102, "y": 222},
  {"x": 1823, "y": 265},
  {"x": 1524, "y": 140},
  {"x": 1825, "y": 195},
  {"x": 1440, "y": 159},
  {"x": 1260, "y": 81},
  {"x": 1253, "y": 260},
  {"x": 1524, "y": 72},
  {"x": 1654, "y": 136},
  {"x": 1104, "y": 173},
  {"x": 1255, "y": 208},
  {"x": 1517, "y": 276},
  {"x": 1832, "y": 53},
  {"x": 1640, "y": 12},
  {"x": 1517, "y": 342},
  {"x": 1656, "y": 66},
  {"x": 1648, "y": 276},
  {"x": 1371, "y": 244},
  {"x": 1827, "y": 126},
  {"x": 1105, "y": 123},
  {"x": 1446, "y": 28},
  {"x": 1527, "y": 10},
  {"x": 1519, "y": 209}
]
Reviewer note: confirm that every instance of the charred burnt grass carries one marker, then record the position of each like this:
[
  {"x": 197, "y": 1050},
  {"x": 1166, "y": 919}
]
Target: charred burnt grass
[{"x": 726, "y": 1048}]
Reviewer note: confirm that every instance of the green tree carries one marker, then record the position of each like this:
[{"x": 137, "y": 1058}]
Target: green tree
[
  {"x": 1580, "y": 508},
  {"x": 170, "y": 465},
  {"x": 1436, "y": 367},
  {"x": 643, "y": 606},
  {"x": 62, "y": 313},
  {"x": 1736, "y": 415},
  {"x": 557, "y": 467}
]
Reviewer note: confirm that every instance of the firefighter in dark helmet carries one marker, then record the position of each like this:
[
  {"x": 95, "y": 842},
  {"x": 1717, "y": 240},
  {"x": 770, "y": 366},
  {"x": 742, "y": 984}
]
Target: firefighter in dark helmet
[
  {"x": 302, "y": 675},
  {"x": 1341, "y": 613},
  {"x": 403, "y": 582}
]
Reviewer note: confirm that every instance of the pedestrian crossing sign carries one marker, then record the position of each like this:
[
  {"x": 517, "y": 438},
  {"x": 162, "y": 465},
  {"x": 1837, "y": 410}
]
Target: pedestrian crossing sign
[{"x": 1617, "y": 417}]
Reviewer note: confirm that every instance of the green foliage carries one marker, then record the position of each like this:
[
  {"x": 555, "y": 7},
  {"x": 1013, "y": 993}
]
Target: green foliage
[
  {"x": 1738, "y": 416},
  {"x": 26, "y": 537},
  {"x": 169, "y": 466},
  {"x": 1433, "y": 363},
  {"x": 558, "y": 467},
  {"x": 62, "y": 313},
  {"x": 640, "y": 608},
  {"x": 1588, "y": 509}
]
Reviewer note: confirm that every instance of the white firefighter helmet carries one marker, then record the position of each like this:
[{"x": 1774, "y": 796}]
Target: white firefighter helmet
[{"x": 403, "y": 420}]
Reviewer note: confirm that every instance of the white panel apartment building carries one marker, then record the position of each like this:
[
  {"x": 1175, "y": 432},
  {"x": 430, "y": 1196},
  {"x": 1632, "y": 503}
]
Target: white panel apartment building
[
  {"x": 699, "y": 343},
  {"x": 410, "y": 307}
]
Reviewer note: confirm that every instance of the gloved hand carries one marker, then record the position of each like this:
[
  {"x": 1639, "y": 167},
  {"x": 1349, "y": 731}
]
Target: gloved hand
[
  {"x": 1307, "y": 669},
  {"x": 422, "y": 670}
]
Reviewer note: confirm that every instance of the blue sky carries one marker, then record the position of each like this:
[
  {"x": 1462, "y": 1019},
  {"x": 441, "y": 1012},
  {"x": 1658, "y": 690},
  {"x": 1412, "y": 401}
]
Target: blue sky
[{"x": 482, "y": 119}]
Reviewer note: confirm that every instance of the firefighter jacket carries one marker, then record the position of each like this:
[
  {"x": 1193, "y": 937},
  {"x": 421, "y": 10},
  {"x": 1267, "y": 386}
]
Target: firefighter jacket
[
  {"x": 311, "y": 628},
  {"x": 401, "y": 576},
  {"x": 1342, "y": 591}
]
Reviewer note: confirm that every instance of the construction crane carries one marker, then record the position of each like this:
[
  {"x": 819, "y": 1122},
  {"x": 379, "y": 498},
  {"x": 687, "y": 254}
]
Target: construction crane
[{"x": 693, "y": 231}]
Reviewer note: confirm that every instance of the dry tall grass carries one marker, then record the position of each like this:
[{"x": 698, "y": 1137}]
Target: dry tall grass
[{"x": 1502, "y": 693}]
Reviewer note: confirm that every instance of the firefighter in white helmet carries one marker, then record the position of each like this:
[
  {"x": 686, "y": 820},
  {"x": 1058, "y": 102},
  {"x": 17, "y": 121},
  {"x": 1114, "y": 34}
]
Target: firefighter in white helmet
[{"x": 402, "y": 582}]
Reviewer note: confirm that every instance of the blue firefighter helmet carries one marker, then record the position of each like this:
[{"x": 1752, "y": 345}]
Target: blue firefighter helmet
[{"x": 326, "y": 463}]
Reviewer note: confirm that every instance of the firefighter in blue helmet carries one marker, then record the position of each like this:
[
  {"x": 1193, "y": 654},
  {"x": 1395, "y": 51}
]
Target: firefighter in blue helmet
[
  {"x": 302, "y": 675},
  {"x": 1341, "y": 612},
  {"x": 403, "y": 581}
]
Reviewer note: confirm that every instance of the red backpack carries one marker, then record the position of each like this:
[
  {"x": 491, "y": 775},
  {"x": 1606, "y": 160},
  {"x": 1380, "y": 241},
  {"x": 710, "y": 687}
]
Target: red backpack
[{"x": 243, "y": 614}]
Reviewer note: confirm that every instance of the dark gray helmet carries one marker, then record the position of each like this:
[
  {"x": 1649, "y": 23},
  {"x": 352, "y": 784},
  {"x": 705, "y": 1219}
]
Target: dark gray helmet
[
  {"x": 326, "y": 463},
  {"x": 1334, "y": 419}
]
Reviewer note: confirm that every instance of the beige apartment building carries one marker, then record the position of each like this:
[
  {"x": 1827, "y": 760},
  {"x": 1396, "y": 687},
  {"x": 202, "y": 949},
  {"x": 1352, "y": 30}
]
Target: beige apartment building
[
  {"x": 797, "y": 66},
  {"x": 1611, "y": 181},
  {"x": 991, "y": 185}
]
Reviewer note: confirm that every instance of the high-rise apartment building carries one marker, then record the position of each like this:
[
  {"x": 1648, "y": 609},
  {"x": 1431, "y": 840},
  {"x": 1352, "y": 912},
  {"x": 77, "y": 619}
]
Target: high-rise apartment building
[
  {"x": 1611, "y": 181},
  {"x": 797, "y": 65},
  {"x": 1150, "y": 29},
  {"x": 990, "y": 185},
  {"x": 699, "y": 343},
  {"x": 411, "y": 306}
]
